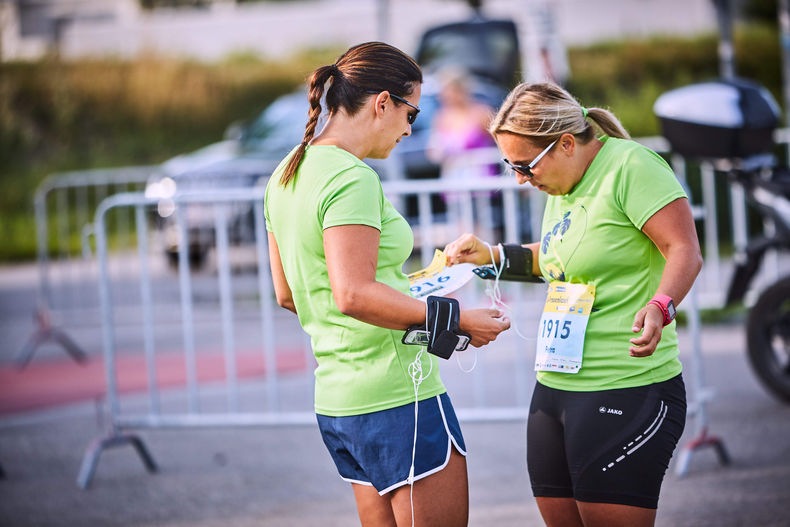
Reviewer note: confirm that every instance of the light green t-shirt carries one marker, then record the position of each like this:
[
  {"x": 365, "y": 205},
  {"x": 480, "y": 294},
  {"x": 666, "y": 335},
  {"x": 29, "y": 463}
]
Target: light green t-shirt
[
  {"x": 593, "y": 235},
  {"x": 361, "y": 368}
]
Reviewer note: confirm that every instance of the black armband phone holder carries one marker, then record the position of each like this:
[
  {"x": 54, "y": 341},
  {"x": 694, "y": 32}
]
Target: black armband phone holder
[
  {"x": 441, "y": 333},
  {"x": 517, "y": 266}
]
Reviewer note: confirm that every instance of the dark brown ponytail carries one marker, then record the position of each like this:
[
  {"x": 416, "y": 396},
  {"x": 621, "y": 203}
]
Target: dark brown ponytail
[
  {"x": 317, "y": 81},
  {"x": 365, "y": 68}
]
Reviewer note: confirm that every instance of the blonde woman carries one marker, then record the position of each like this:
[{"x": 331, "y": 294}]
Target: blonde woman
[{"x": 619, "y": 249}]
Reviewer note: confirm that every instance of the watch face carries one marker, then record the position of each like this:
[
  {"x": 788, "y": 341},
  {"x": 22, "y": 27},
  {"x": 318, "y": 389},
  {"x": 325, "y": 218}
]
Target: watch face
[{"x": 671, "y": 310}]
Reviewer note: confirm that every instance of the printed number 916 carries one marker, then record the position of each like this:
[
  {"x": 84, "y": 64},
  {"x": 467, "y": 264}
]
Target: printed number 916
[{"x": 418, "y": 288}]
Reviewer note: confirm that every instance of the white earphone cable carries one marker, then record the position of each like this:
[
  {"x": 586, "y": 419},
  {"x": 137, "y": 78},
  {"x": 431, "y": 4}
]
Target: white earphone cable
[{"x": 494, "y": 292}]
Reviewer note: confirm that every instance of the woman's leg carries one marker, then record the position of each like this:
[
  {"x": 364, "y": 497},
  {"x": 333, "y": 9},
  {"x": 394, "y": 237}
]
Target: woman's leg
[
  {"x": 611, "y": 515},
  {"x": 547, "y": 461},
  {"x": 559, "y": 512},
  {"x": 373, "y": 510},
  {"x": 567, "y": 512},
  {"x": 441, "y": 499}
]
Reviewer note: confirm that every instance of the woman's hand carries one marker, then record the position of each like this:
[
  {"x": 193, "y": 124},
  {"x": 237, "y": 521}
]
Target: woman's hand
[
  {"x": 468, "y": 248},
  {"x": 484, "y": 325},
  {"x": 649, "y": 320}
]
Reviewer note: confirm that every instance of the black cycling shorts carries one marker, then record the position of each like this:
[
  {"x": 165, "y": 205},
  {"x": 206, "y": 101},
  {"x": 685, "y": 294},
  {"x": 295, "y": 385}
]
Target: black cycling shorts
[{"x": 610, "y": 446}]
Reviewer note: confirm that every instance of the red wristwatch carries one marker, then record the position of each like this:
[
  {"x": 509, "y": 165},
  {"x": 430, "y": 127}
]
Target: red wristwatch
[{"x": 666, "y": 305}]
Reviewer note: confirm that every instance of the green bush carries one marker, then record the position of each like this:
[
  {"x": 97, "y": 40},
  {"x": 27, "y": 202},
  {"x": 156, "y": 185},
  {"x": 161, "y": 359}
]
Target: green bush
[
  {"x": 57, "y": 116},
  {"x": 627, "y": 77}
]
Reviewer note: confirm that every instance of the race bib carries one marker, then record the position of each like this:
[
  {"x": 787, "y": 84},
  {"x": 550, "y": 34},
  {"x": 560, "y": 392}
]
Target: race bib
[
  {"x": 562, "y": 327},
  {"x": 437, "y": 279}
]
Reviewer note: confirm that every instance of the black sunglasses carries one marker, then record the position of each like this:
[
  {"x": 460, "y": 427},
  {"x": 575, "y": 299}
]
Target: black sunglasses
[
  {"x": 526, "y": 170},
  {"x": 410, "y": 117}
]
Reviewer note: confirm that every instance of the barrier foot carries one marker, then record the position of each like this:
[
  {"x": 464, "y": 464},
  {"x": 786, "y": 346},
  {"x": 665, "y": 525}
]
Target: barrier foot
[
  {"x": 91, "y": 459},
  {"x": 701, "y": 441},
  {"x": 46, "y": 332}
]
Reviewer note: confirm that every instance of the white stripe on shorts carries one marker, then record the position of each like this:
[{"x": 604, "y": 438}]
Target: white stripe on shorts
[{"x": 450, "y": 441}]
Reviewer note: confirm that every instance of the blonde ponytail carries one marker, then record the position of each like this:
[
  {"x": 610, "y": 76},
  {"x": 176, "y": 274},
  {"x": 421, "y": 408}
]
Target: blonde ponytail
[{"x": 545, "y": 111}]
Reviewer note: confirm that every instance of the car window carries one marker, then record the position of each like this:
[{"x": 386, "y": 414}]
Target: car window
[
  {"x": 488, "y": 49},
  {"x": 279, "y": 127}
]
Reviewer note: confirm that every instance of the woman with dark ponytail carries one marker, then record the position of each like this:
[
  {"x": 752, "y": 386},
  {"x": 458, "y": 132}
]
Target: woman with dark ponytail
[{"x": 337, "y": 248}]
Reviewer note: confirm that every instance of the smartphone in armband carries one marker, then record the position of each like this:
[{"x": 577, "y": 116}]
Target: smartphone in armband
[
  {"x": 420, "y": 337},
  {"x": 443, "y": 315},
  {"x": 417, "y": 337}
]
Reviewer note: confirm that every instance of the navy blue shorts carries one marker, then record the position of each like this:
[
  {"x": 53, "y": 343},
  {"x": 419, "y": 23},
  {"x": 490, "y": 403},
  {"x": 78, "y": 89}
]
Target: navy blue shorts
[
  {"x": 376, "y": 448},
  {"x": 609, "y": 446}
]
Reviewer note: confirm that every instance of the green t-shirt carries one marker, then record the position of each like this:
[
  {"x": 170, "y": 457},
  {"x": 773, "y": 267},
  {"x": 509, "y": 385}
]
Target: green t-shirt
[
  {"x": 593, "y": 235},
  {"x": 361, "y": 368}
]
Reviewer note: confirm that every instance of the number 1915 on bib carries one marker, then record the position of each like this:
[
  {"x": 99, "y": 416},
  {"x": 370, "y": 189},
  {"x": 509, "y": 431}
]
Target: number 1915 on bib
[
  {"x": 550, "y": 325},
  {"x": 562, "y": 327}
]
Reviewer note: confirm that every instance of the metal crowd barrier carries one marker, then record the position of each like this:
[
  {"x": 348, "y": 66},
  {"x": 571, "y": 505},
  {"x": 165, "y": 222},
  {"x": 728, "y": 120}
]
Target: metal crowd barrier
[
  {"x": 197, "y": 405},
  {"x": 64, "y": 205}
]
